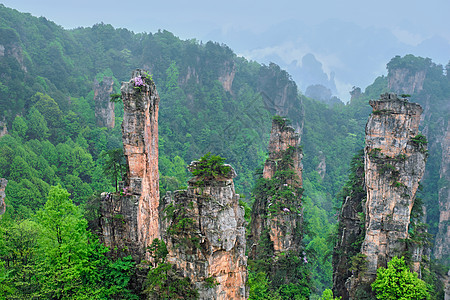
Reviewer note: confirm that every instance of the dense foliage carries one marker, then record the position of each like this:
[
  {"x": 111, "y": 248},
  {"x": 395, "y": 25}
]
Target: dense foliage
[
  {"x": 397, "y": 282},
  {"x": 47, "y": 107}
]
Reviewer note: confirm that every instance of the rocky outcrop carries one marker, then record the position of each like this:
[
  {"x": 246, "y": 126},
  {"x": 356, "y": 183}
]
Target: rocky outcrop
[
  {"x": 350, "y": 229},
  {"x": 322, "y": 166},
  {"x": 130, "y": 220},
  {"x": 3, "y": 183},
  {"x": 406, "y": 81},
  {"x": 395, "y": 156},
  {"x": 278, "y": 215},
  {"x": 3, "y": 128},
  {"x": 280, "y": 95},
  {"x": 226, "y": 76},
  {"x": 11, "y": 46},
  {"x": 442, "y": 244},
  {"x": 204, "y": 229},
  {"x": 104, "y": 108}
]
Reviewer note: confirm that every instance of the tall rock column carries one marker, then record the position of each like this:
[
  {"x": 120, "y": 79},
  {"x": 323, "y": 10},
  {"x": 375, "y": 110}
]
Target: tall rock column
[
  {"x": 3, "y": 183},
  {"x": 204, "y": 229},
  {"x": 104, "y": 108},
  {"x": 130, "y": 219},
  {"x": 395, "y": 156},
  {"x": 442, "y": 245},
  {"x": 277, "y": 215}
]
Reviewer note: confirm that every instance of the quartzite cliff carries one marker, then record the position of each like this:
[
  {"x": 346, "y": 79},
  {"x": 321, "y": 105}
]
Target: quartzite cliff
[
  {"x": 204, "y": 229},
  {"x": 3, "y": 183},
  {"x": 104, "y": 109},
  {"x": 394, "y": 163},
  {"x": 280, "y": 217},
  {"x": 130, "y": 220}
]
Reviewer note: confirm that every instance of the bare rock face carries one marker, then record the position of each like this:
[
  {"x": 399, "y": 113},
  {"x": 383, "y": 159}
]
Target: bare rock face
[
  {"x": 405, "y": 81},
  {"x": 104, "y": 109},
  {"x": 3, "y": 128},
  {"x": 442, "y": 244},
  {"x": 350, "y": 230},
  {"x": 281, "y": 218},
  {"x": 131, "y": 219},
  {"x": 3, "y": 183},
  {"x": 204, "y": 230},
  {"x": 227, "y": 74},
  {"x": 395, "y": 157}
]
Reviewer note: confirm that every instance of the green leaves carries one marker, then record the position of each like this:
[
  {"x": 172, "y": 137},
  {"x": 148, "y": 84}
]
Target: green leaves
[
  {"x": 211, "y": 167},
  {"x": 397, "y": 282}
]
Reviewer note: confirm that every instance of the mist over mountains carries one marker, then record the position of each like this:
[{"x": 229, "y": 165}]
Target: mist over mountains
[{"x": 335, "y": 53}]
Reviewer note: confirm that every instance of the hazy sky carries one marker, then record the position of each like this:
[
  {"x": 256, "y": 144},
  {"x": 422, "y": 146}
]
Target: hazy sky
[
  {"x": 413, "y": 20},
  {"x": 353, "y": 39}
]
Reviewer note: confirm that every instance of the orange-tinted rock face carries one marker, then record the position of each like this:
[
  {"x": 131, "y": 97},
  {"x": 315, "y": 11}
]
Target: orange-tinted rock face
[
  {"x": 442, "y": 244},
  {"x": 394, "y": 165},
  {"x": 3, "y": 183},
  {"x": 104, "y": 109},
  {"x": 131, "y": 219},
  {"x": 283, "y": 223},
  {"x": 212, "y": 244},
  {"x": 406, "y": 81}
]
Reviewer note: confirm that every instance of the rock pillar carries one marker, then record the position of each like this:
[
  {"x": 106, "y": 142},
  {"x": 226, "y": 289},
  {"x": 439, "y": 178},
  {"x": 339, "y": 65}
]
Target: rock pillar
[
  {"x": 3, "y": 183},
  {"x": 130, "y": 219},
  {"x": 280, "y": 216},
  {"x": 395, "y": 156},
  {"x": 204, "y": 229},
  {"x": 104, "y": 108}
]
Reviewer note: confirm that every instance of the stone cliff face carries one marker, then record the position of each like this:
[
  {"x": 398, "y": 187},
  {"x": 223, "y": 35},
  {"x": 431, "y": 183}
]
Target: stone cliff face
[
  {"x": 104, "y": 109},
  {"x": 131, "y": 219},
  {"x": 204, "y": 229},
  {"x": 227, "y": 74},
  {"x": 395, "y": 158},
  {"x": 3, "y": 183},
  {"x": 442, "y": 244},
  {"x": 280, "y": 217},
  {"x": 405, "y": 81},
  {"x": 350, "y": 230},
  {"x": 280, "y": 95}
]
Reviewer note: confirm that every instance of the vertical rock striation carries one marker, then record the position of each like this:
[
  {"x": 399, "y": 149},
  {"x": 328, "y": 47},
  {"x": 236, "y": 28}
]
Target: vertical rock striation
[
  {"x": 395, "y": 157},
  {"x": 351, "y": 227},
  {"x": 442, "y": 244},
  {"x": 204, "y": 229},
  {"x": 131, "y": 219},
  {"x": 280, "y": 217},
  {"x": 104, "y": 109},
  {"x": 3, "y": 183}
]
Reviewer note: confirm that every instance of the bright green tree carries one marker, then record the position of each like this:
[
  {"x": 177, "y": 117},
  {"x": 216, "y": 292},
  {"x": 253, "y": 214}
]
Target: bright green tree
[{"x": 397, "y": 282}]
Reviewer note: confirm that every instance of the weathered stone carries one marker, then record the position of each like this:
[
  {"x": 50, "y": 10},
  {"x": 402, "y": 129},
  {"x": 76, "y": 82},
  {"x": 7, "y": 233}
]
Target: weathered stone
[
  {"x": 405, "y": 81},
  {"x": 350, "y": 231},
  {"x": 212, "y": 245},
  {"x": 131, "y": 220},
  {"x": 283, "y": 226},
  {"x": 104, "y": 108},
  {"x": 394, "y": 165},
  {"x": 442, "y": 244},
  {"x": 3, "y": 183}
]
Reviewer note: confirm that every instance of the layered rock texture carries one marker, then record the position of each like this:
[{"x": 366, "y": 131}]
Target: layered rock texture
[
  {"x": 278, "y": 211},
  {"x": 204, "y": 229},
  {"x": 442, "y": 244},
  {"x": 351, "y": 228},
  {"x": 3, "y": 183},
  {"x": 130, "y": 219},
  {"x": 406, "y": 81},
  {"x": 104, "y": 109},
  {"x": 395, "y": 156}
]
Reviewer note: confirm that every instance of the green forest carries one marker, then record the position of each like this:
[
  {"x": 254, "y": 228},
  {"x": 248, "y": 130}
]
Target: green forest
[{"x": 58, "y": 161}]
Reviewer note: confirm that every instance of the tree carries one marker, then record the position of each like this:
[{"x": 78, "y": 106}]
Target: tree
[
  {"x": 115, "y": 165},
  {"x": 397, "y": 282}
]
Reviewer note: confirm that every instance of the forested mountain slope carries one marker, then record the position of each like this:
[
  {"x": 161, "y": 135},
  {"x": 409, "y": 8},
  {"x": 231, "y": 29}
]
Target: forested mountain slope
[{"x": 211, "y": 101}]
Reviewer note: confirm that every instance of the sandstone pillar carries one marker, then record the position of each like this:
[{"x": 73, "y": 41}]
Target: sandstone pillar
[{"x": 395, "y": 158}]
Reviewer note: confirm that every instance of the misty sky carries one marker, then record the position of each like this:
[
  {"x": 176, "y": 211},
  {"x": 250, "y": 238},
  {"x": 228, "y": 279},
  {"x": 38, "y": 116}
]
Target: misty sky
[{"x": 250, "y": 27}]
